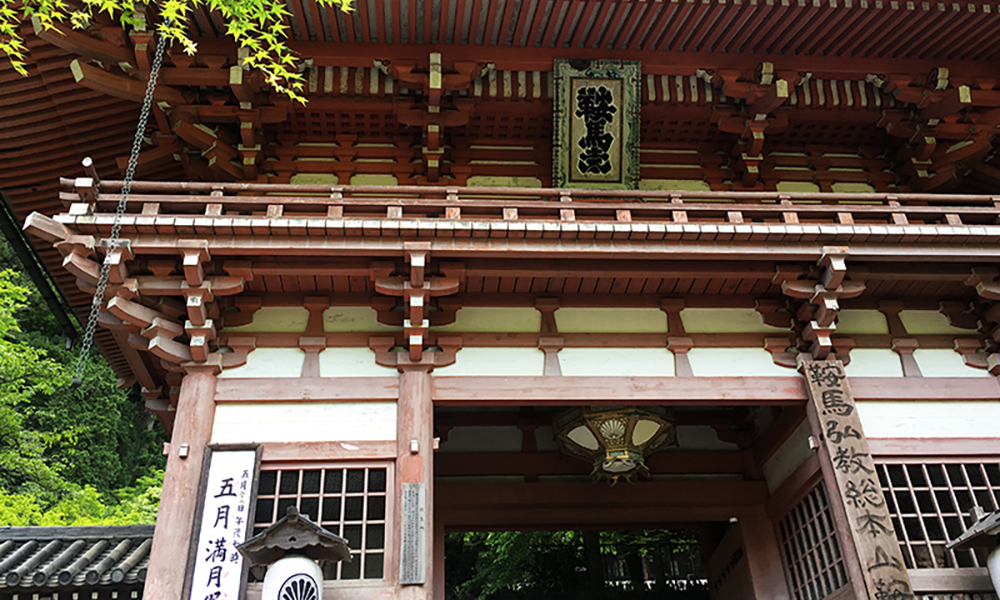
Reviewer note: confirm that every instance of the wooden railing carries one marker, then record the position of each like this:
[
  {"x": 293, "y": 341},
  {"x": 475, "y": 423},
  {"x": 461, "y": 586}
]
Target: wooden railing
[{"x": 534, "y": 204}]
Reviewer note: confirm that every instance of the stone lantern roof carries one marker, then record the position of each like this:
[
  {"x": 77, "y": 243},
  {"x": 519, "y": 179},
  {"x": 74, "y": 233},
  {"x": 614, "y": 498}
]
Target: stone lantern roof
[{"x": 294, "y": 534}]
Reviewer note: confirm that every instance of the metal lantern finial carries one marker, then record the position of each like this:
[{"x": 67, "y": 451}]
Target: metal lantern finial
[{"x": 616, "y": 440}]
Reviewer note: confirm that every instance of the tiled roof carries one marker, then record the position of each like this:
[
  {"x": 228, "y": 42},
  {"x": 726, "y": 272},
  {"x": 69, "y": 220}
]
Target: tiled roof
[{"x": 73, "y": 557}]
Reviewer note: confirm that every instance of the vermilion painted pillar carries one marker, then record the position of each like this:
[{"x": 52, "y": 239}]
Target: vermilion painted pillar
[
  {"x": 178, "y": 503},
  {"x": 763, "y": 555},
  {"x": 415, "y": 464}
]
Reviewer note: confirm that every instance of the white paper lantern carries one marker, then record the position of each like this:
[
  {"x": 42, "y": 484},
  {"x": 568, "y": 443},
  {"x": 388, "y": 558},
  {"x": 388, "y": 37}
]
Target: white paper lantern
[{"x": 293, "y": 578}]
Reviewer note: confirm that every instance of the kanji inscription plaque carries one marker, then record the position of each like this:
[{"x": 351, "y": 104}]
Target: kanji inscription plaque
[
  {"x": 596, "y": 141},
  {"x": 413, "y": 538},
  {"x": 856, "y": 481}
]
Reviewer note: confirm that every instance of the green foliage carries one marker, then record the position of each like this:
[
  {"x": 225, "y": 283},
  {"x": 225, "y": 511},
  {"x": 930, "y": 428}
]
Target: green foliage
[
  {"x": 258, "y": 26},
  {"x": 554, "y": 564},
  {"x": 541, "y": 562},
  {"x": 67, "y": 455},
  {"x": 86, "y": 506},
  {"x": 25, "y": 373}
]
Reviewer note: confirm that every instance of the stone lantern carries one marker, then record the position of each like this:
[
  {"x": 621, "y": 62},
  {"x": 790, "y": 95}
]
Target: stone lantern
[
  {"x": 293, "y": 549},
  {"x": 984, "y": 533}
]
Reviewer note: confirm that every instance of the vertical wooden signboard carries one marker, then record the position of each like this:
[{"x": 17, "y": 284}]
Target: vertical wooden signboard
[
  {"x": 216, "y": 571},
  {"x": 856, "y": 481}
]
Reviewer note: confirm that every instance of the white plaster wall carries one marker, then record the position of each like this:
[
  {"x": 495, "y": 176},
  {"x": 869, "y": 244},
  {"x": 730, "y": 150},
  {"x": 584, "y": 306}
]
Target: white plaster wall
[
  {"x": 861, "y": 321},
  {"x": 929, "y": 321},
  {"x": 486, "y": 319},
  {"x": 525, "y": 362},
  {"x": 726, "y": 320},
  {"x": 735, "y": 362},
  {"x": 610, "y": 362},
  {"x": 269, "y": 362},
  {"x": 787, "y": 458},
  {"x": 304, "y": 422},
  {"x": 611, "y": 320},
  {"x": 929, "y": 419},
  {"x": 945, "y": 363},
  {"x": 874, "y": 362},
  {"x": 352, "y": 362},
  {"x": 276, "y": 319},
  {"x": 353, "y": 318},
  {"x": 483, "y": 439}
]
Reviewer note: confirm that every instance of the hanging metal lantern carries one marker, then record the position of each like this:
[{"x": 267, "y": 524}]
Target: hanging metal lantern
[{"x": 616, "y": 440}]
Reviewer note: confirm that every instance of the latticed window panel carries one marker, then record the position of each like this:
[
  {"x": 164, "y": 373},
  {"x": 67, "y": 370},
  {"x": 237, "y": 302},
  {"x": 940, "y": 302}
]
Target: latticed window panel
[
  {"x": 811, "y": 552},
  {"x": 350, "y": 502},
  {"x": 931, "y": 504}
]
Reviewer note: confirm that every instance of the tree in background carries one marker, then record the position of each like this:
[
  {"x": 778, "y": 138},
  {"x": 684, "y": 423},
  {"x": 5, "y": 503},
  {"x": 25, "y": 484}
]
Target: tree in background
[
  {"x": 259, "y": 27},
  {"x": 525, "y": 565},
  {"x": 68, "y": 456}
]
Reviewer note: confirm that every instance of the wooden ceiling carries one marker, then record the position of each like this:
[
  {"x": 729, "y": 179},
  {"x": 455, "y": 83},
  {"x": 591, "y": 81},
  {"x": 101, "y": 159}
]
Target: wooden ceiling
[{"x": 876, "y": 28}]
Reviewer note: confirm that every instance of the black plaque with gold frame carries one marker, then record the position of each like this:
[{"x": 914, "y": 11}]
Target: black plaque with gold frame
[{"x": 596, "y": 124}]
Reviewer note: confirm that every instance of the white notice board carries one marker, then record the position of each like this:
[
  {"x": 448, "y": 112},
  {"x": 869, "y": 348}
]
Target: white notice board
[{"x": 216, "y": 571}]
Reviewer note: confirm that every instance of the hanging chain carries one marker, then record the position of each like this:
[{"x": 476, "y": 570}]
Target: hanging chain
[{"x": 102, "y": 280}]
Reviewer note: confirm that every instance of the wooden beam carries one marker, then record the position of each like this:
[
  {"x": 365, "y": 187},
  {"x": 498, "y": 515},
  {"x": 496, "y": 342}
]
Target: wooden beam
[
  {"x": 104, "y": 82},
  {"x": 693, "y": 391},
  {"x": 82, "y": 44},
  {"x": 495, "y": 506},
  {"x": 342, "y": 450},
  {"x": 572, "y": 391},
  {"x": 305, "y": 389},
  {"x": 448, "y": 464}
]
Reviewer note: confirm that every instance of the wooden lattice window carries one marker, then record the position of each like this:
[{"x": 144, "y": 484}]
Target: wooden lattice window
[
  {"x": 931, "y": 503},
  {"x": 812, "y": 555},
  {"x": 350, "y": 501}
]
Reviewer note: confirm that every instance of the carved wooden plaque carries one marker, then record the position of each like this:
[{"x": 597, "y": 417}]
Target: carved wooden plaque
[
  {"x": 857, "y": 482},
  {"x": 413, "y": 534},
  {"x": 596, "y": 122}
]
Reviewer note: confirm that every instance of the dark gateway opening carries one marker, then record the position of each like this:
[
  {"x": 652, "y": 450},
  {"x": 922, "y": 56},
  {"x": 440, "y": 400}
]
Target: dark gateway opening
[{"x": 585, "y": 565}]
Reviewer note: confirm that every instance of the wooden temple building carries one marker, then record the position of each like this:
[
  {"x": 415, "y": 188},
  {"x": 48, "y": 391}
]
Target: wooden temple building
[{"x": 741, "y": 253}]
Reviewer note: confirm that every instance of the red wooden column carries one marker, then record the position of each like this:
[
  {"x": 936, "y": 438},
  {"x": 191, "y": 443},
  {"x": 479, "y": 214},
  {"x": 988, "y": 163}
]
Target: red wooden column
[
  {"x": 178, "y": 503},
  {"x": 763, "y": 555},
  {"x": 415, "y": 470}
]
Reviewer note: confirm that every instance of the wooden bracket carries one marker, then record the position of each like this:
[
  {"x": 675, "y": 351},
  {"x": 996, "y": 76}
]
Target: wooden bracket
[
  {"x": 241, "y": 346},
  {"x": 971, "y": 351},
  {"x": 778, "y": 349},
  {"x": 194, "y": 253},
  {"x": 983, "y": 279},
  {"x": 960, "y": 314},
  {"x": 774, "y": 312},
  {"x": 240, "y": 310}
]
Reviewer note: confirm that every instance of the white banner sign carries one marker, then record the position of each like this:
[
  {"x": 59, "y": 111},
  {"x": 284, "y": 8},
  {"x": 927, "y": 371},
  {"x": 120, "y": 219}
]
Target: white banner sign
[{"x": 225, "y": 518}]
